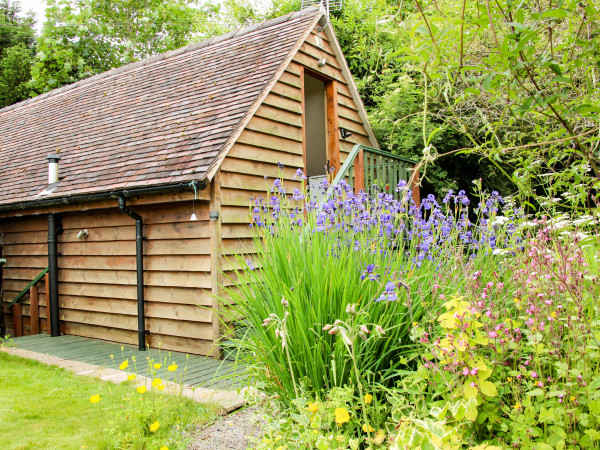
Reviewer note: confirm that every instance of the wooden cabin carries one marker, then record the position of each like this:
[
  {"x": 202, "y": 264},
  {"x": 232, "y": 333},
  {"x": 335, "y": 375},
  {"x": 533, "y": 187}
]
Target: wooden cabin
[{"x": 121, "y": 195}]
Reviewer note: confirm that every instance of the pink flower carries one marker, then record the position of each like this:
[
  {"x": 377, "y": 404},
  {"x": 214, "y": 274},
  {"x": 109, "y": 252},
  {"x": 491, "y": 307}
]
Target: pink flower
[
  {"x": 474, "y": 371},
  {"x": 493, "y": 335},
  {"x": 465, "y": 371},
  {"x": 534, "y": 374}
]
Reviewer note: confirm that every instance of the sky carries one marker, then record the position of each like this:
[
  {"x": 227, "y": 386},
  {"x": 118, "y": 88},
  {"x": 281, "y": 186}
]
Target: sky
[{"x": 39, "y": 7}]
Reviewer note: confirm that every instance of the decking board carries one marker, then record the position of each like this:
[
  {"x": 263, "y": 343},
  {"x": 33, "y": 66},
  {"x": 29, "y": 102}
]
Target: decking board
[{"x": 201, "y": 371}]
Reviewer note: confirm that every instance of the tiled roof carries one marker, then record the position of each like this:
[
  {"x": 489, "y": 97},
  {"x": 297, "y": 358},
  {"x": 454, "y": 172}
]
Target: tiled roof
[{"x": 159, "y": 121}]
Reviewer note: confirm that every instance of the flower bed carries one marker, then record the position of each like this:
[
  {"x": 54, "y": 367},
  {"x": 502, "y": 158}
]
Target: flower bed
[{"x": 455, "y": 325}]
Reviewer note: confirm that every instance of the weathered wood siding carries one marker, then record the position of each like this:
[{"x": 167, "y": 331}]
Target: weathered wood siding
[
  {"x": 274, "y": 135},
  {"x": 97, "y": 276}
]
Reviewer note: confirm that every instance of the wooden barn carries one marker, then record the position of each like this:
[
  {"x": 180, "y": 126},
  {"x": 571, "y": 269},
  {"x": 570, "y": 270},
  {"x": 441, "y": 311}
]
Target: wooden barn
[{"x": 121, "y": 195}]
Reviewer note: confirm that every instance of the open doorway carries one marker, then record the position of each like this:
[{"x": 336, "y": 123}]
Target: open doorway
[{"x": 320, "y": 132}]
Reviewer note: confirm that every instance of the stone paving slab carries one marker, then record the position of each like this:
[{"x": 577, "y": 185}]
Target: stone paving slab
[{"x": 224, "y": 400}]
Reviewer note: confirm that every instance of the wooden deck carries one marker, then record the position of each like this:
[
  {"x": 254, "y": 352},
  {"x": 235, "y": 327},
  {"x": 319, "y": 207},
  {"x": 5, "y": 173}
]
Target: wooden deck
[{"x": 201, "y": 371}]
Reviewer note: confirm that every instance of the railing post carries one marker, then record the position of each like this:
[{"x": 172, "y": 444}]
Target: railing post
[
  {"x": 416, "y": 189},
  {"x": 18, "y": 319},
  {"x": 34, "y": 312},
  {"x": 359, "y": 171}
]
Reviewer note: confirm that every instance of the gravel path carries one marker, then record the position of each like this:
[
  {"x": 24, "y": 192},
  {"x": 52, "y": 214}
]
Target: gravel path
[{"x": 230, "y": 432}]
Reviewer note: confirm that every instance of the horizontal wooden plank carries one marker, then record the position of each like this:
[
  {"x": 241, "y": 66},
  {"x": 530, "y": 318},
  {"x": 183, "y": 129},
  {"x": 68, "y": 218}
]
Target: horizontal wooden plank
[
  {"x": 26, "y": 261},
  {"x": 28, "y": 223},
  {"x": 174, "y": 213},
  {"x": 162, "y": 294},
  {"x": 237, "y": 246},
  {"x": 355, "y": 128},
  {"x": 272, "y": 128},
  {"x": 237, "y": 231},
  {"x": 251, "y": 153},
  {"x": 284, "y": 90},
  {"x": 279, "y": 115},
  {"x": 258, "y": 168},
  {"x": 284, "y": 103},
  {"x": 309, "y": 48},
  {"x": 182, "y": 344},
  {"x": 191, "y": 313},
  {"x": 290, "y": 79},
  {"x": 312, "y": 63},
  {"x": 261, "y": 140},
  {"x": 349, "y": 113},
  {"x": 165, "y": 327},
  {"x": 235, "y": 214}
]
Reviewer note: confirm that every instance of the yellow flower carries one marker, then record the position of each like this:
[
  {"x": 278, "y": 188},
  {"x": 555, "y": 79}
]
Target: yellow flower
[
  {"x": 112, "y": 356},
  {"x": 415, "y": 324},
  {"x": 518, "y": 406},
  {"x": 312, "y": 407},
  {"x": 160, "y": 387},
  {"x": 368, "y": 398},
  {"x": 509, "y": 379},
  {"x": 154, "y": 427},
  {"x": 371, "y": 429},
  {"x": 553, "y": 313},
  {"x": 156, "y": 382},
  {"x": 141, "y": 389},
  {"x": 131, "y": 376},
  {"x": 572, "y": 398},
  {"x": 172, "y": 367},
  {"x": 341, "y": 416},
  {"x": 95, "y": 398},
  {"x": 157, "y": 366},
  {"x": 517, "y": 300},
  {"x": 124, "y": 365},
  {"x": 164, "y": 447}
]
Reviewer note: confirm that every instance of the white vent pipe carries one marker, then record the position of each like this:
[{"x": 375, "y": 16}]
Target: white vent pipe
[{"x": 53, "y": 169}]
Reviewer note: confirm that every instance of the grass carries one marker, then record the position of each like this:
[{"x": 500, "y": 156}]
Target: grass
[{"x": 48, "y": 407}]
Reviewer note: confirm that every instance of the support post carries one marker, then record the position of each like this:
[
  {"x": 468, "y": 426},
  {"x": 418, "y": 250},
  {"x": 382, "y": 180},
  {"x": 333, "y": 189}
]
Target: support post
[
  {"x": 333, "y": 127},
  {"x": 415, "y": 187},
  {"x": 18, "y": 319},
  {"x": 359, "y": 171},
  {"x": 34, "y": 311},
  {"x": 53, "y": 275}
]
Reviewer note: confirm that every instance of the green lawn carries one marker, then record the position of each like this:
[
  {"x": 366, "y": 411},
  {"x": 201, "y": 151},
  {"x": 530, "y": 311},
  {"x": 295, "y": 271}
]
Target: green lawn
[{"x": 47, "y": 407}]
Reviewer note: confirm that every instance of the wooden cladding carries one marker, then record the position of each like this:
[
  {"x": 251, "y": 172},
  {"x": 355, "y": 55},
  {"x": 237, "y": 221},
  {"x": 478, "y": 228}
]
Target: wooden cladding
[{"x": 97, "y": 278}]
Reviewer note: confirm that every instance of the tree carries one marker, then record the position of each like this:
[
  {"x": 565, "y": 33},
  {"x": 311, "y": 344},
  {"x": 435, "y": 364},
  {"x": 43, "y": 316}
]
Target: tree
[
  {"x": 85, "y": 37},
  {"x": 520, "y": 81},
  {"x": 17, "y": 47}
]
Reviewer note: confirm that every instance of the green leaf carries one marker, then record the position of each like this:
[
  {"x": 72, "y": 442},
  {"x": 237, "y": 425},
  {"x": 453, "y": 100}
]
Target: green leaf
[
  {"x": 487, "y": 83},
  {"x": 555, "y": 13},
  {"x": 459, "y": 410},
  {"x": 535, "y": 393},
  {"x": 470, "y": 391},
  {"x": 560, "y": 79},
  {"x": 488, "y": 388},
  {"x": 555, "y": 68}
]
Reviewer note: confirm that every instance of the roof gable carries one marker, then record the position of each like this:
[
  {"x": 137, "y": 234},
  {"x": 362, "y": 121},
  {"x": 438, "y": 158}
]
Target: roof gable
[{"x": 163, "y": 120}]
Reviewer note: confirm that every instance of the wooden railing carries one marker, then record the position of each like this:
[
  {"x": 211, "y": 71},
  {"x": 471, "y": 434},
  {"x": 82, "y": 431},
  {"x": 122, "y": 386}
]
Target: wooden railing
[
  {"x": 374, "y": 170},
  {"x": 34, "y": 314}
]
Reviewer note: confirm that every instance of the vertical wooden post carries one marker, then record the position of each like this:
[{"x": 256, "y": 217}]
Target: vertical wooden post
[
  {"x": 303, "y": 109},
  {"x": 18, "y": 319},
  {"x": 47, "y": 287},
  {"x": 333, "y": 127},
  {"x": 416, "y": 189},
  {"x": 216, "y": 264},
  {"x": 34, "y": 314},
  {"x": 359, "y": 171}
]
